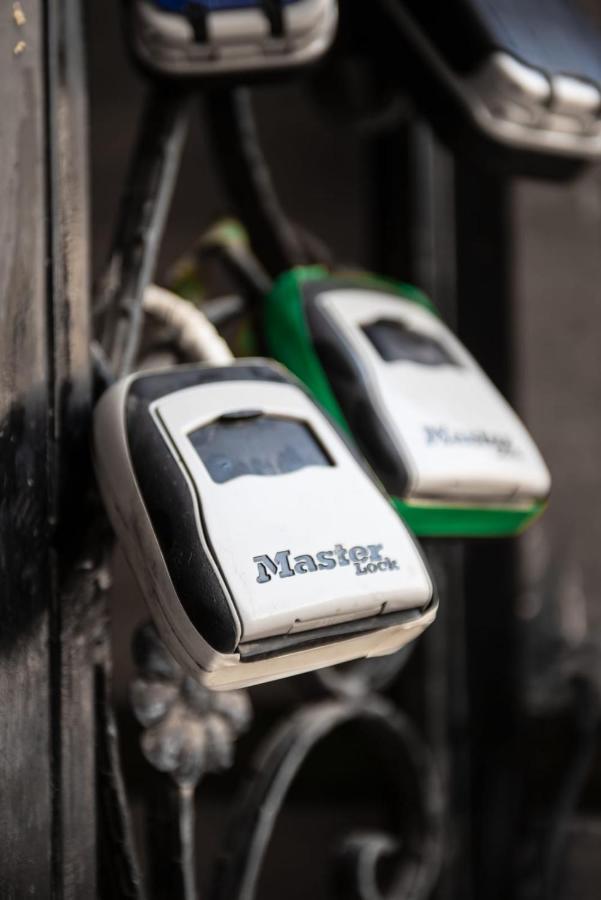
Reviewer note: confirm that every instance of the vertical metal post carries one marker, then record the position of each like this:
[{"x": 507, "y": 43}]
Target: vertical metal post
[
  {"x": 414, "y": 240},
  {"x": 52, "y": 633},
  {"x": 446, "y": 225},
  {"x": 484, "y": 270},
  {"x": 75, "y": 605},
  {"x": 25, "y": 763}
]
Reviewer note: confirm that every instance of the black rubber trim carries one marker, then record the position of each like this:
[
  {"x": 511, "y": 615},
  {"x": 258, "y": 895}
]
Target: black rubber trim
[
  {"x": 197, "y": 16},
  {"x": 154, "y": 385},
  {"x": 350, "y": 384},
  {"x": 273, "y": 10},
  {"x": 169, "y": 503},
  {"x": 290, "y": 643}
]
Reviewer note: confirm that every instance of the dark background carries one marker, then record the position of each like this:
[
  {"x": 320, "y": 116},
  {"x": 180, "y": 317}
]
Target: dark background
[{"x": 323, "y": 175}]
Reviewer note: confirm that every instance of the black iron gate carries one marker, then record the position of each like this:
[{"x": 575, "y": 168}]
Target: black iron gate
[{"x": 446, "y": 765}]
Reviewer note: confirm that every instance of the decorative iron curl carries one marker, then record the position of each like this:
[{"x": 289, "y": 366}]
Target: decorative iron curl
[
  {"x": 363, "y": 677},
  {"x": 418, "y": 791}
]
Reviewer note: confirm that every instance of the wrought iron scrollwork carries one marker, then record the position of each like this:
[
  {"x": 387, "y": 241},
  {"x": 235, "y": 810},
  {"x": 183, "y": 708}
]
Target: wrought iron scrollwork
[
  {"x": 417, "y": 847},
  {"x": 363, "y": 677},
  {"x": 189, "y": 732}
]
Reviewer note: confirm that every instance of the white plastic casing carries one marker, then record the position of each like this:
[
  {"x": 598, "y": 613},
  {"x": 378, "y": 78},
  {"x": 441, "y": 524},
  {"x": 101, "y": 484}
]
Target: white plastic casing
[
  {"x": 520, "y": 105},
  {"x": 458, "y": 438},
  {"x": 238, "y": 41},
  {"x": 304, "y": 512}
]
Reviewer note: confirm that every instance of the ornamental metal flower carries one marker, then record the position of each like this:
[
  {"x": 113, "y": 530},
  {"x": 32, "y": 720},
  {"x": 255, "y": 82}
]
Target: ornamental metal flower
[{"x": 189, "y": 731}]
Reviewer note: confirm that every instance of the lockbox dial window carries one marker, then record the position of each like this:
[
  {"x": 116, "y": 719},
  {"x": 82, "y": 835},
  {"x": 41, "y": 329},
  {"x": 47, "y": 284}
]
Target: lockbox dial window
[
  {"x": 395, "y": 342},
  {"x": 255, "y": 444}
]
